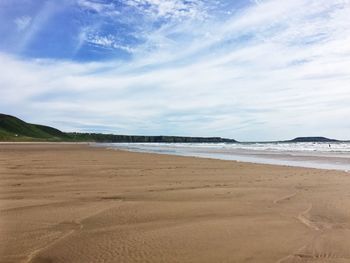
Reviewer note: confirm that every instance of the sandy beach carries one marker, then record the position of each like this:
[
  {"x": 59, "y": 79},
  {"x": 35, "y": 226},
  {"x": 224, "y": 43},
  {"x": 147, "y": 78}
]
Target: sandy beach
[{"x": 76, "y": 203}]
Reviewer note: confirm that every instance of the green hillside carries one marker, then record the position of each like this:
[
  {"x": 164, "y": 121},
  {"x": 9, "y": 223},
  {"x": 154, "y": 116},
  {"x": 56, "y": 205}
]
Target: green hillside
[{"x": 12, "y": 128}]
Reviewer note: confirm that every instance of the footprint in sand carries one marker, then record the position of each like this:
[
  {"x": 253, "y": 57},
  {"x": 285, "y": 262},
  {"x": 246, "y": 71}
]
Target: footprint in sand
[{"x": 284, "y": 198}]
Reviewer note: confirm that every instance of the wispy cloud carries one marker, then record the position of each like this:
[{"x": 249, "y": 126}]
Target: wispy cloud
[
  {"x": 136, "y": 22},
  {"x": 175, "y": 9},
  {"x": 273, "y": 69},
  {"x": 108, "y": 41},
  {"x": 36, "y": 24},
  {"x": 107, "y": 9},
  {"x": 22, "y": 22}
]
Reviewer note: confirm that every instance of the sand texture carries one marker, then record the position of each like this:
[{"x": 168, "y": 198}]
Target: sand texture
[{"x": 75, "y": 203}]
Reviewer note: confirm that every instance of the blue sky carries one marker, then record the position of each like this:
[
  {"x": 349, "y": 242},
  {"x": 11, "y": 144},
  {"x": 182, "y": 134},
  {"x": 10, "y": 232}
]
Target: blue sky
[{"x": 245, "y": 69}]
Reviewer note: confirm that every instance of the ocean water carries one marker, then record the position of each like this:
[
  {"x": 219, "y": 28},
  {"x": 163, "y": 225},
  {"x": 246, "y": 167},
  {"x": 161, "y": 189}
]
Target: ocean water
[{"x": 303, "y": 154}]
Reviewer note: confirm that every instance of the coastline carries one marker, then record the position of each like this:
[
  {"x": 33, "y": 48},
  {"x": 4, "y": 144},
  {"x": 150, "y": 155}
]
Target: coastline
[{"x": 75, "y": 203}]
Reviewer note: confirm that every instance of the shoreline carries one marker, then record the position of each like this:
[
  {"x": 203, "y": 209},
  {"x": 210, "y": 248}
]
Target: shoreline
[
  {"x": 76, "y": 203},
  {"x": 288, "y": 159},
  {"x": 250, "y": 159}
]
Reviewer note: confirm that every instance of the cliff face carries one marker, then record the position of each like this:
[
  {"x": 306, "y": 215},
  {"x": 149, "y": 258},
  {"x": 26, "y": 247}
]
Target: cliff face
[{"x": 98, "y": 137}]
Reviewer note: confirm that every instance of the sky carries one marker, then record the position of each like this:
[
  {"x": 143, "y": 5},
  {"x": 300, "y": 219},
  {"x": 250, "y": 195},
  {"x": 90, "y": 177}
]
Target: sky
[{"x": 244, "y": 69}]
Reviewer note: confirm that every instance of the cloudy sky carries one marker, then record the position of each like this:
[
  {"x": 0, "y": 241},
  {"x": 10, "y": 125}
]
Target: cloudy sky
[{"x": 243, "y": 69}]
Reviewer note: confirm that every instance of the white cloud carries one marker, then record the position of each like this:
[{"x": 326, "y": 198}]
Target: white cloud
[
  {"x": 22, "y": 22},
  {"x": 102, "y": 8},
  {"x": 170, "y": 8},
  {"x": 108, "y": 41},
  {"x": 255, "y": 76}
]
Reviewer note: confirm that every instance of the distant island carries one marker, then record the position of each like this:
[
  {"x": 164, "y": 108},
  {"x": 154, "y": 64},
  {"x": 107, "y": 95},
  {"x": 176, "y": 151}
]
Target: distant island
[
  {"x": 14, "y": 129},
  {"x": 313, "y": 139}
]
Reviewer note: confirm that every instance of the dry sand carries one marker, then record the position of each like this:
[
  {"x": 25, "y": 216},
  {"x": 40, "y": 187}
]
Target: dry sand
[{"x": 75, "y": 203}]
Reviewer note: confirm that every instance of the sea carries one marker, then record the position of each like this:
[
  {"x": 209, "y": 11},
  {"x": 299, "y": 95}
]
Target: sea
[{"x": 321, "y": 155}]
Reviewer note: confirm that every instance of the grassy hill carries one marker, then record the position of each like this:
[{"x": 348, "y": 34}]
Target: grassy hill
[{"x": 14, "y": 129}]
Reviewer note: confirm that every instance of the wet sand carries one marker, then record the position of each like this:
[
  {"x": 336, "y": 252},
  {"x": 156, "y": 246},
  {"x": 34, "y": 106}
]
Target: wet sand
[{"x": 75, "y": 203}]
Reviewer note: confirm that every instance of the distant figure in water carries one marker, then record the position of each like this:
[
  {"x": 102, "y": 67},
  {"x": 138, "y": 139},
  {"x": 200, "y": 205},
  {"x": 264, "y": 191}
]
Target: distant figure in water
[{"x": 329, "y": 145}]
